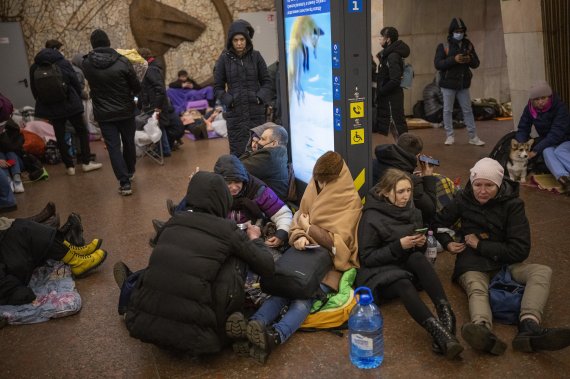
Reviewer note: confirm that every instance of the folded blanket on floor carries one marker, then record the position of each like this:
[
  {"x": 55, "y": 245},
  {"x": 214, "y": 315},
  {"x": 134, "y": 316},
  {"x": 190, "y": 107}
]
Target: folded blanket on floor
[
  {"x": 547, "y": 182},
  {"x": 56, "y": 296}
]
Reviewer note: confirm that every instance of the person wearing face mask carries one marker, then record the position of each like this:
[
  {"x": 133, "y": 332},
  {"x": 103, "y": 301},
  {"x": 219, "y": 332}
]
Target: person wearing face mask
[
  {"x": 242, "y": 84},
  {"x": 454, "y": 61},
  {"x": 389, "y": 94},
  {"x": 495, "y": 232},
  {"x": 392, "y": 259},
  {"x": 549, "y": 115}
]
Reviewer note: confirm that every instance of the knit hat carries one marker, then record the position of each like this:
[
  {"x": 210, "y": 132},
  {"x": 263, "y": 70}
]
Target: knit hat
[
  {"x": 539, "y": 89},
  {"x": 6, "y": 108},
  {"x": 489, "y": 169},
  {"x": 328, "y": 167},
  {"x": 99, "y": 39}
]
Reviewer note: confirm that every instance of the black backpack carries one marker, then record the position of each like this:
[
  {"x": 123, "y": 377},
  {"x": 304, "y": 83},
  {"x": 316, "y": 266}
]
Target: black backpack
[{"x": 49, "y": 83}]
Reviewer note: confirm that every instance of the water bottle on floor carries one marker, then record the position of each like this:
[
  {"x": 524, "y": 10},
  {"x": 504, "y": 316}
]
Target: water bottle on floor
[
  {"x": 365, "y": 328},
  {"x": 431, "y": 251}
]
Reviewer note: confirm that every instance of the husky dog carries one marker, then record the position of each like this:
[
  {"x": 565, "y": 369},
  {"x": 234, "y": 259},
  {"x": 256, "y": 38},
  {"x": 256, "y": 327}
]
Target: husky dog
[
  {"x": 304, "y": 33},
  {"x": 518, "y": 160}
]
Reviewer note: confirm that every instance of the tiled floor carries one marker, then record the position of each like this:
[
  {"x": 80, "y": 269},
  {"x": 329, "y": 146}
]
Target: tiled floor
[{"x": 95, "y": 343}]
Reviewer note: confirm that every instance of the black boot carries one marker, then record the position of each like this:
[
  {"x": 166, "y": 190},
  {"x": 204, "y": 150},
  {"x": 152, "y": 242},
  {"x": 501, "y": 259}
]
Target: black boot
[
  {"x": 53, "y": 221},
  {"x": 171, "y": 207},
  {"x": 158, "y": 225},
  {"x": 236, "y": 329},
  {"x": 448, "y": 344},
  {"x": 479, "y": 337},
  {"x": 263, "y": 339},
  {"x": 446, "y": 315},
  {"x": 565, "y": 181},
  {"x": 46, "y": 213},
  {"x": 72, "y": 230},
  {"x": 532, "y": 337}
]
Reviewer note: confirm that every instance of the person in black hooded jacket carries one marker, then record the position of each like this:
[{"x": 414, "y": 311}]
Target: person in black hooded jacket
[
  {"x": 70, "y": 109},
  {"x": 389, "y": 94},
  {"x": 495, "y": 232},
  {"x": 392, "y": 260},
  {"x": 243, "y": 85},
  {"x": 114, "y": 84},
  {"x": 196, "y": 272}
]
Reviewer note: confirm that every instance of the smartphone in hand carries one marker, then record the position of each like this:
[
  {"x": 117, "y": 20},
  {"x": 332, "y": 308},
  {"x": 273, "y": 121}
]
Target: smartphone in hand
[
  {"x": 420, "y": 231},
  {"x": 312, "y": 246},
  {"x": 424, "y": 158}
]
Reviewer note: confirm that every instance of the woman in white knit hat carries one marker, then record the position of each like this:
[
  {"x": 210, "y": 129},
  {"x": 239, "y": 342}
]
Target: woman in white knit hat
[
  {"x": 549, "y": 115},
  {"x": 494, "y": 233}
]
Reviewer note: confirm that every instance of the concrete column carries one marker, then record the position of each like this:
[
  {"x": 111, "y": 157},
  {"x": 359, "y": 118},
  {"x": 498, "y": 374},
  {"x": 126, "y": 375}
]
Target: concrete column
[{"x": 522, "y": 25}]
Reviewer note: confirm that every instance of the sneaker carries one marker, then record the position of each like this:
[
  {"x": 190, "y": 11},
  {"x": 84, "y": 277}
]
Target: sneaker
[
  {"x": 450, "y": 140},
  {"x": 121, "y": 272},
  {"x": 132, "y": 176},
  {"x": 18, "y": 187},
  {"x": 476, "y": 141},
  {"x": 125, "y": 189},
  {"x": 70, "y": 171},
  {"x": 91, "y": 166},
  {"x": 11, "y": 184}
]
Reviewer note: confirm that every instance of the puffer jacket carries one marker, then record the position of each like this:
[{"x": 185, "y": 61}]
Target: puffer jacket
[
  {"x": 391, "y": 67},
  {"x": 113, "y": 83},
  {"x": 379, "y": 249},
  {"x": 195, "y": 276},
  {"x": 269, "y": 165},
  {"x": 248, "y": 88},
  {"x": 72, "y": 105},
  {"x": 455, "y": 75},
  {"x": 500, "y": 224}
]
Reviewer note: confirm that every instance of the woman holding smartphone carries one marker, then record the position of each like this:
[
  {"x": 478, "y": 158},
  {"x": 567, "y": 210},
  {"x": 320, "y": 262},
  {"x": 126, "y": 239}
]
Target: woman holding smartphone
[{"x": 392, "y": 262}]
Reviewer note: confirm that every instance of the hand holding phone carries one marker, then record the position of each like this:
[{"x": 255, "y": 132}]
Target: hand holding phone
[
  {"x": 424, "y": 158},
  {"x": 312, "y": 246},
  {"x": 420, "y": 231}
]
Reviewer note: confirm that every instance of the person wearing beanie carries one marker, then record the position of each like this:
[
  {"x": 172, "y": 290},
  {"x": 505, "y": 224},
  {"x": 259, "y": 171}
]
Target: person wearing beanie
[
  {"x": 242, "y": 84},
  {"x": 454, "y": 60},
  {"x": 328, "y": 216},
  {"x": 389, "y": 94},
  {"x": 549, "y": 115},
  {"x": 494, "y": 233},
  {"x": 114, "y": 84}
]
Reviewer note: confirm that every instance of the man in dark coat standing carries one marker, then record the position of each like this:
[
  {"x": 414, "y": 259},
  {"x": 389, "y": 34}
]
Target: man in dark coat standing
[
  {"x": 70, "y": 108},
  {"x": 244, "y": 72},
  {"x": 390, "y": 96},
  {"x": 114, "y": 84},
  {"x": 195, "y": 277}
]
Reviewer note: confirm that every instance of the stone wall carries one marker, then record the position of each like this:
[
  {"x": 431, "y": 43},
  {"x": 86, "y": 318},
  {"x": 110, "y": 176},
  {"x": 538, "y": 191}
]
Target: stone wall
[{"x": 72, "y": 21}]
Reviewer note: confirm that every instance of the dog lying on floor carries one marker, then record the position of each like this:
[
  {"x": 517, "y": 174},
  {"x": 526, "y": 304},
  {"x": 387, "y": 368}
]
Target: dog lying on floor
[{"x": 518, "y": 160}]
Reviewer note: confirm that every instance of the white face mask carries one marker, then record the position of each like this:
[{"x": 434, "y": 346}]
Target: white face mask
[{"x": 458, "y": 36}]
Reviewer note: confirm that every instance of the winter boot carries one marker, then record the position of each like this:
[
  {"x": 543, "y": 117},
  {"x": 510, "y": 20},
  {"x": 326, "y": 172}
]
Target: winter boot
[
  {"x": 84, "y": 250},
  {"x": 263, "y": 339},
  {"x": 565, "y": 181},
  {"x": 53, "y": 221},
  {"x": 47, "y": 212},
  {"x": 532, "y": 337},
  {"x": 171, "y": 207},
  {"x": 446, "y": 315},
  {"x": 157, "y": 225},
  {"x": 121, "y": 272},
  {"x": 449, "y": 345},
  {"x": 479, "y": 337},
  {"x": 236, "y": 326},
  {"x": 73, "y": 230},
  {"x": 82, "y": 264}
]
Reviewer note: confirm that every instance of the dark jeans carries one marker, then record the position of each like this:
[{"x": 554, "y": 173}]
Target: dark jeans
[
  {"x": 127, "y": 290},
  {"x": 115, "y": 132},
  {"x": 404, "y": 289},
  {"x": 81, "y": 130}
]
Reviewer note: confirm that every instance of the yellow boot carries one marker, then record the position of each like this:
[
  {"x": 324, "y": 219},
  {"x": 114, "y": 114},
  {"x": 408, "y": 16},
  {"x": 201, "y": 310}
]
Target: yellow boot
[
  {"x": 84, "y": 250},
  {"x": 82, "y": 264}
]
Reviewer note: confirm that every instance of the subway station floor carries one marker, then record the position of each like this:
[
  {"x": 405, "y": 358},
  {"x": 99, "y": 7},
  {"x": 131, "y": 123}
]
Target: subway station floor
[{"x": 96, "y": 344}]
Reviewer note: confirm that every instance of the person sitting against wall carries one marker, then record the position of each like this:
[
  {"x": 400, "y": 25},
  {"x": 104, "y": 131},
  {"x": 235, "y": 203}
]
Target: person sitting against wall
[
  {"x": 495, "y": 232},
  {"x": 192, "y": 91},
  {"x": 392, "y": 258},
  {"x": 549, "y": 115}
]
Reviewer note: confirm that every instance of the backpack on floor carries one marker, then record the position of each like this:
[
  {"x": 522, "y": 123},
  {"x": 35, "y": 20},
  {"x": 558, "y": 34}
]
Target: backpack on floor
[
  {"x": 52, "y": 155},
  {"x": 505, "y": 297},
  {"x": 49, "y": 84}
]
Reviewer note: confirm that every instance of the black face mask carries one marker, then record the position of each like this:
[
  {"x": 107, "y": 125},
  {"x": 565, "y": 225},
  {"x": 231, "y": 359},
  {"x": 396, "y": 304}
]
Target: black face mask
[{"x": 385, "y": 45}]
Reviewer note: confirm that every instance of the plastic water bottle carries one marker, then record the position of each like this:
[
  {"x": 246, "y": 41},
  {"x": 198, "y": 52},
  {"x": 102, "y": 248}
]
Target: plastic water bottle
[
  {"x": 365, "y": 337},
  {"x": 431, "y": 251}
]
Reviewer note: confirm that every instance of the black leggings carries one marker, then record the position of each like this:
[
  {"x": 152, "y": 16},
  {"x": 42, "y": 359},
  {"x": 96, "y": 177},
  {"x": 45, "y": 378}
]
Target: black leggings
[{"x": 405, "y": 289}]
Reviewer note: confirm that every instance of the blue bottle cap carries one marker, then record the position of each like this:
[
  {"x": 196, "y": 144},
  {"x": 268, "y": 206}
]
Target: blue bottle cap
[{"x": 365, "y": 299}]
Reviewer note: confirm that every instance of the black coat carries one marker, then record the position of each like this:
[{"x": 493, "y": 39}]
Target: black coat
[
  {"x": 153, "y": 94},
  {"x": 23, "y": 247},
  {"x": 393, "y": 156},
  {"x": 113, "y": 84},
  {"x": 270, "y": 166},
  {"x": 11, "y": 140},
  {"x": 248, "y": 89},
  {"x": 500, "y": 224},
  {"x": 380, "y": 252},
  {"x": 72, "y": 105},
  {"x": 195, "y": 276}
]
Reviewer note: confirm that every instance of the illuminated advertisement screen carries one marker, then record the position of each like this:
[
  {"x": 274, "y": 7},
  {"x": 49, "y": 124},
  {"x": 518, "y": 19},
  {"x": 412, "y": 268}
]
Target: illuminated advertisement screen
[{"x": 309, "y": 80}]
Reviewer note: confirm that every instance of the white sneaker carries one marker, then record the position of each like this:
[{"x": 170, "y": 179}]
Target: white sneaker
[
  {"x": 476, "y": 141},
  {"x": 18, "y": 187},
  {"x": 450, "y": 140},
  {"x": 70, "y": 171},
  {"x": 11, "y": 184},
  {"x": 91, "y": 166}
]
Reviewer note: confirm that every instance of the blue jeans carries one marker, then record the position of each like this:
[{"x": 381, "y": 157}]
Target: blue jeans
[
  {"x": 16, "y": 168},
  {"x": 464, "y": 100},
  {"x": 115, "y": 132},
  {"x": 7, "y": 198},
  {"x": 557, "y": 159},
  {"x": 292, "y": 320}
]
